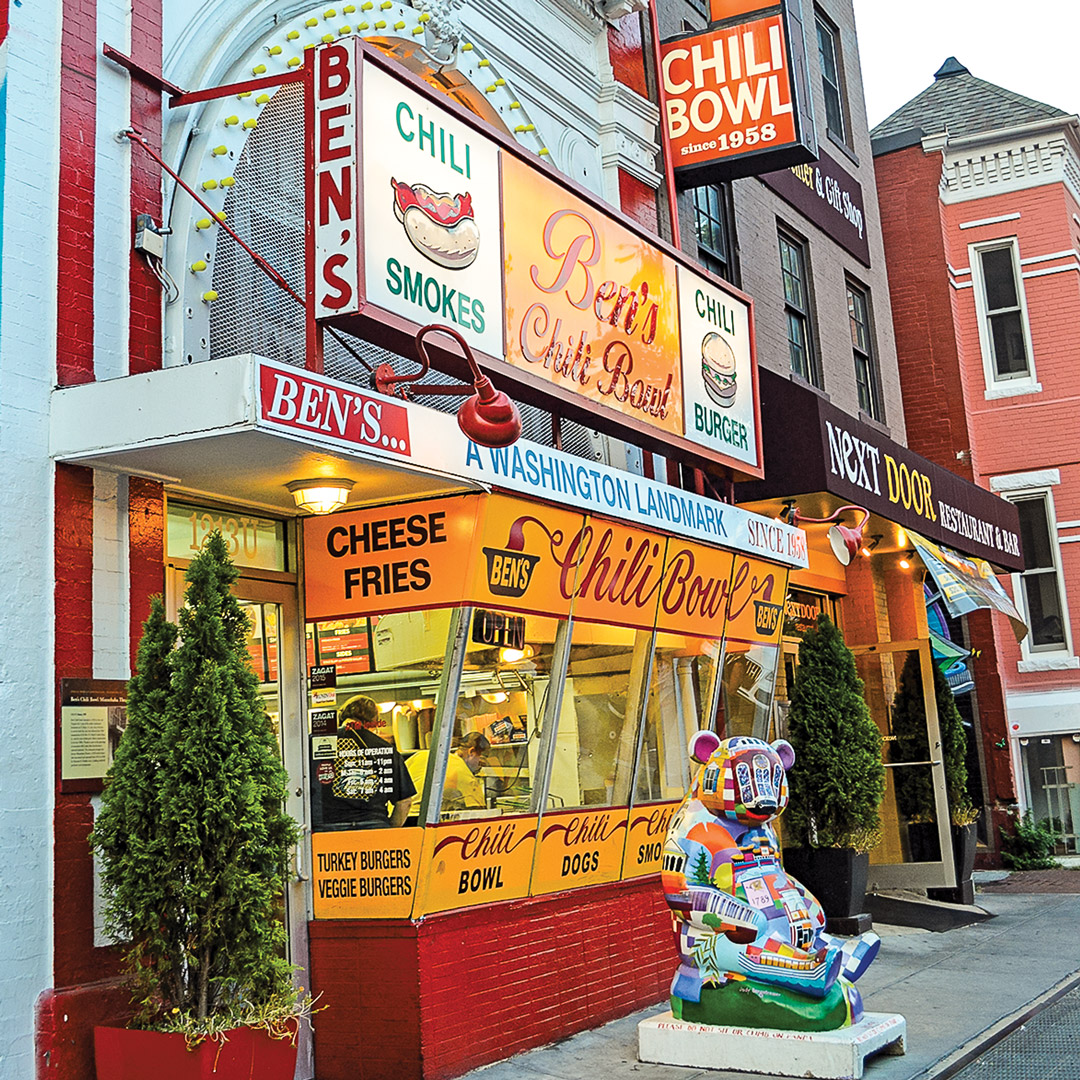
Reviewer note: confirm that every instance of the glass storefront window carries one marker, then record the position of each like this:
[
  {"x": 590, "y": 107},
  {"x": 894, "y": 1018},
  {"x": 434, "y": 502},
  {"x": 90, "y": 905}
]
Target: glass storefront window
[
  {"x": 746, "y": 690},
  {"x": 680, "y": 701},
  {"x": 1051, "y": 766},
  {"x": 596, "y": 743},
  {"x": 396, "y": 660},
  {"x": 496, "y": 723}
]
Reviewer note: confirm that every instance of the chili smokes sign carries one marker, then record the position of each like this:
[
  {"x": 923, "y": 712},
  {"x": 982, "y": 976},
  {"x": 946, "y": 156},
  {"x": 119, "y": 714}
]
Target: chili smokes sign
[{"x": 419, "y": 217}]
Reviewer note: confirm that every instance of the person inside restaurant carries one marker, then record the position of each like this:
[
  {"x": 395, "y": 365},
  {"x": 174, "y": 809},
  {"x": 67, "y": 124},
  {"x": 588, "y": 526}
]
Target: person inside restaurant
[
  {"x": 464, "y": 789},
  {"x": 369, "y": 774}
]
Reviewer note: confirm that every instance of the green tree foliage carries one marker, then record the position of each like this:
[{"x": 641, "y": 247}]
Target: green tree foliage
[
  {"x": 915, "y": 786},
  {"x": 838, "y": 779},
  {"x": 192, "y": 835},
  {"x": 700, "y": 873},
  {"x": 1030, "y": 845}
]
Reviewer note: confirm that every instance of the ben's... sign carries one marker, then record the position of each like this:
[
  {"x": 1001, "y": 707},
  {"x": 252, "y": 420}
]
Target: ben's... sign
[{"x": 730, "y": 102}]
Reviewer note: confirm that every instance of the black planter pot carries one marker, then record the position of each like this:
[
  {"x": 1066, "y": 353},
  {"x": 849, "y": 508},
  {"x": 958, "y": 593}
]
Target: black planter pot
[
  {"x": 836, "y": 876},
  {"x": 964, "y": 838}
]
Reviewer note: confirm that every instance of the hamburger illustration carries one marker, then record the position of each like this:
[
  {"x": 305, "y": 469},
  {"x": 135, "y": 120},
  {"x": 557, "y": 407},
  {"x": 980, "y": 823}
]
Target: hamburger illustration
[
  {"x": 438, "y": 225},
  {"x": 718, "y": 370}
]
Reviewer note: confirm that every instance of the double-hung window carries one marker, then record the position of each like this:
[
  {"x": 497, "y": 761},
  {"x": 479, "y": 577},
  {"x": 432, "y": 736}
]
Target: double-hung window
[
  {"x": 867, "y": 377},
  {"x": 829, "y": 60},
  {"x": 712, "y": 221},
  {"x": 793, "y": 270},
  {"x": 1041, "y": 580},
  {"x": 999, "y": 301}
]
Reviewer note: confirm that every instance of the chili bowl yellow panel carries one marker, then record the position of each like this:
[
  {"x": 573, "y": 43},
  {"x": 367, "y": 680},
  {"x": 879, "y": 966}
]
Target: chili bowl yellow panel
[{"x": 477, "y": 862}]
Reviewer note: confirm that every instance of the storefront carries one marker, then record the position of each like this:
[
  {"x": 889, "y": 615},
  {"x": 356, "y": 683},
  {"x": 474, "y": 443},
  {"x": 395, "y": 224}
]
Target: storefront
[
  {"x": 817, "y": 460},
  {"x": 583, "y": 619}
]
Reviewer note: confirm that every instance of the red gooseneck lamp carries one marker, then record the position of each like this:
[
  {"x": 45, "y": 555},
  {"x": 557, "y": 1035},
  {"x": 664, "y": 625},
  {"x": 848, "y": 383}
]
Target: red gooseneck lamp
[{"x": 488, "y": 416}]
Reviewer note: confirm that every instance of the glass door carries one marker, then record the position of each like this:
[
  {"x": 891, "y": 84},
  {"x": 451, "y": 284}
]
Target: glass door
[
  {"x": 899, "y": 688},
  {"x": 275, "y": 647}
]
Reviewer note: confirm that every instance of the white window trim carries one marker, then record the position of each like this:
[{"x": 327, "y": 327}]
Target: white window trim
[
  {"x": 995, "y": 387},
  {"x": 1044, "y": 658}
]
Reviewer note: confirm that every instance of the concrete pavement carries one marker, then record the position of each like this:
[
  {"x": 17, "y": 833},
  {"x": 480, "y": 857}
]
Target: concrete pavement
[{"x": 960, "y": 992}]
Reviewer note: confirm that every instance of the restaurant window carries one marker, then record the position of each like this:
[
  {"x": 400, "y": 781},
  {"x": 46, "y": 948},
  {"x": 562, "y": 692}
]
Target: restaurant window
[
  {"x": 793, "y": 269},
  {"x": 395, "y": 659},
  {"x": 1003, "y": 324},
  {"x": 712, "y": 225},
  {"x": 867, "y": 376},
  {"x": 596, "y": 741},
  {"x": 748, "y": 678},
  {"x": 1041, "y": 585},
  {"x": 682, "y": 687},
  {"x": 832, "y": 86},
  {"x": 494, "y": 745}
]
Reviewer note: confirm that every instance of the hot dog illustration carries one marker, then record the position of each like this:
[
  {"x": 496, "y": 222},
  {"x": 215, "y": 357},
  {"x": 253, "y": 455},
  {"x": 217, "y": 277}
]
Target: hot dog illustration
[{"x": 440, "y": 226}]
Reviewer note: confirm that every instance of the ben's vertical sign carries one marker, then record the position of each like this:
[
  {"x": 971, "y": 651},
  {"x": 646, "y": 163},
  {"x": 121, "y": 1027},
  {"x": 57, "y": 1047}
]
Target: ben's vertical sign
[
  {"x": 335, "y": 213},
  {"x": 730, "y": 102}
]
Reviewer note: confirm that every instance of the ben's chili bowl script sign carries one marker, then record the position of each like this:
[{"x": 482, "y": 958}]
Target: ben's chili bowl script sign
[{"x": 589, "y": 306}]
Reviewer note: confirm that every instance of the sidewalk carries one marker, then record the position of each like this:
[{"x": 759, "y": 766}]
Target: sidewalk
[{"x": 957, "y": 991}]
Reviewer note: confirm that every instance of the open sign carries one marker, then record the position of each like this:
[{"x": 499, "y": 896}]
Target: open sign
[{"x": 496, "y": 630}]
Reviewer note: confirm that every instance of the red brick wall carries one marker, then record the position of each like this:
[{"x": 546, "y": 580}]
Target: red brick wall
[
  {"x": 934, "y": 405},
  {"x": 85, "y": 977},
  {"x": 146, "y": 299},
  {"x": 146, "y": 551},
  {"x": 638, "y": 201},
  {"x": 625, "y": 53},
  {"x": 436, "y": 998},
  {"x": 75, "y": 224}
]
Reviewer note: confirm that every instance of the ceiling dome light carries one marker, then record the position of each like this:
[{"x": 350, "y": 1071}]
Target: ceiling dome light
[{"x": 321, "y": 495}]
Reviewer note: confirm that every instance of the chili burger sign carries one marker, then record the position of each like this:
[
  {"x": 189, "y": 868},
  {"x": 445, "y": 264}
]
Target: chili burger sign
[{"x": 419, "y": 216}]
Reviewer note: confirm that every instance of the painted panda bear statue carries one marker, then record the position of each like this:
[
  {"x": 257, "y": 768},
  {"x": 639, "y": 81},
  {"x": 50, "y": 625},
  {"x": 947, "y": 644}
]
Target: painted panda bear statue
[{"x": 751, "y": 939}]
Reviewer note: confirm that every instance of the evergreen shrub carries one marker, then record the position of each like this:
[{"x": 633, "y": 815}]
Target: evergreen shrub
[
  {"x": 838, "y": 779},
  {"x": 1030, "y": 845},
  {"x": 192, "y": 837}
]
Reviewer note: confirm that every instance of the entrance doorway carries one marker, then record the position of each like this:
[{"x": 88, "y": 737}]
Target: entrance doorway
[
  {"x": 899, "y": 689},
  {"x": 275, "y": 646}
]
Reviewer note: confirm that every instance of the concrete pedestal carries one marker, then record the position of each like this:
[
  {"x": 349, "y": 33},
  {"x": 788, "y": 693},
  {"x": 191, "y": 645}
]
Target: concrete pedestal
[{"x": 829, "y": 1055}]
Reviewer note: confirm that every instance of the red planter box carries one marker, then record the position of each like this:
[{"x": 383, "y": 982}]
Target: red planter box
[{"x": 249, "y": 1054}]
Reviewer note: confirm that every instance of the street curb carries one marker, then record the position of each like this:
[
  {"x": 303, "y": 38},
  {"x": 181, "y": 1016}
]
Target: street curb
[{"x": 959, "y": 1059}]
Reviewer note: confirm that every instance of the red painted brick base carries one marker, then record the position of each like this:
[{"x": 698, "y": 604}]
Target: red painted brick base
[{"x": 432, "y": 999}]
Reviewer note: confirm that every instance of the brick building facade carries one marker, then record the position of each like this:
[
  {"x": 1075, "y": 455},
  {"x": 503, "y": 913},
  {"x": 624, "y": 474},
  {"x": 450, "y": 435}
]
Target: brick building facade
[
  {"x": 978, "y": 187},
  {"x": 126, "y": 380}
]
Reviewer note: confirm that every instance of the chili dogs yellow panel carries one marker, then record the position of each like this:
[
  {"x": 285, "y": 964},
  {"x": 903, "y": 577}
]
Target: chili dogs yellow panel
[{"x": 578, "y": 847}]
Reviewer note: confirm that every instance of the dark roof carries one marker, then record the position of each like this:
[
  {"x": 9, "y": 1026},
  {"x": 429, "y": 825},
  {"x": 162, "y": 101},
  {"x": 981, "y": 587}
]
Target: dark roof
[{"x": 964, "y": 105}]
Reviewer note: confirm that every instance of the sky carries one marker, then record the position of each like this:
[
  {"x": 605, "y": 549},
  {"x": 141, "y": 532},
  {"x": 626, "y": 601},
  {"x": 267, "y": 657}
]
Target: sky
[{"x": 901, "y": 45}]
